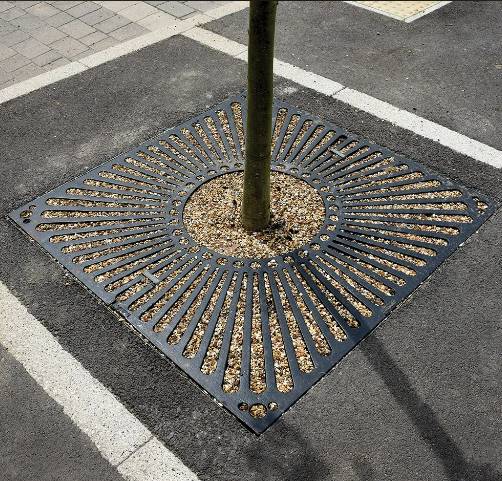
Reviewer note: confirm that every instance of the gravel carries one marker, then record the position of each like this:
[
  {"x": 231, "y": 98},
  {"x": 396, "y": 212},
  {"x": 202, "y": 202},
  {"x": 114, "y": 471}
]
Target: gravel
[{"x": 212, "y": 217}]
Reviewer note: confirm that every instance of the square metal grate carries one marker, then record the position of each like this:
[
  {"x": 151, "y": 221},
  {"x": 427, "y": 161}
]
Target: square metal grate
[{"x": 255, "y": 334}]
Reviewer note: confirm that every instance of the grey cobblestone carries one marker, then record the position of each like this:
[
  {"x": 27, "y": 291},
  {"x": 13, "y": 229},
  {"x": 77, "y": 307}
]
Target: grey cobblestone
[
  {"x": 157, "y": 20},
  {"x": 6, "y": 52},
  {"x": 177, "y": 9},
  {"x": 48, "y": 34},
  {"x": 64, "y": 5},
  {"x": 6, "y": 27},
  {"x": 14, "y": 37},
  {"x": 5, "y": 76},
  {"x": 13, "y": 63},
  {"x": 112, "y": 23},
  {"x": 103, "y": 44},
  {"x": 80, "y": 55},
  {"x": 38, "y": 36},
  {"x": 97, "y": 16},
  {"x": 77, "y": 29},
  {"x": 69, "y": 47},
  {"x": 28, "y": 22},
  {"x": 128, "y": 31},
  {"x": 12, "y": 13},
  {"x": 26, "y": 72},
  {"x": 31, "y": 48},
  {"x": 59, "y": 19},
  {"x": 4, "y": 6},
  {"x": 116, "y": 6},
  {"x": 138, "y": 11},
  {"x": 201, "y": 5},
  {"x": 24, "y": 5},
  {"x": 47, "y": 58},
  {"x": 58, "y": 63},
  {"x": 84, "y": 8},
  {"x": 42, "y": 10},
  {"x": 93, "y": 38}
]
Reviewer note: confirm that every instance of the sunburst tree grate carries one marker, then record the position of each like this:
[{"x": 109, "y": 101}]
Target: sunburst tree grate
[{"x": 256, "y": 334}]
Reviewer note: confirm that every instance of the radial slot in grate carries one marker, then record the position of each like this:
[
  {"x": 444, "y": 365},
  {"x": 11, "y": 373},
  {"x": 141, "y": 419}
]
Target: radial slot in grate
[{"x": 254, "y": 333}]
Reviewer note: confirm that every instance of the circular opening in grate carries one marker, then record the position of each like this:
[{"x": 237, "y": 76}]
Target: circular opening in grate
[
  {"x": 212, "y": 216},
  {"x": 258, "y": 410}
]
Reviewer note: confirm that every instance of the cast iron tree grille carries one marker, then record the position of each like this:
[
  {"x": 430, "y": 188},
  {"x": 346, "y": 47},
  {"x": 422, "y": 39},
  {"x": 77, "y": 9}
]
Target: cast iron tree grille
[{"x": 254, "y": 333}]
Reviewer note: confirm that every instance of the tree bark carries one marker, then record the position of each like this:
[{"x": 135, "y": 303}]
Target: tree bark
[{"x": 256, "y": 197}]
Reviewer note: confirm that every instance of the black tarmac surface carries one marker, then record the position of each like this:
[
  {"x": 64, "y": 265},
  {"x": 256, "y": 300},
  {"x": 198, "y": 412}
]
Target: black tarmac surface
[
  {"x": 445, "y": 66},
  {"x": 418, "y": 400}
]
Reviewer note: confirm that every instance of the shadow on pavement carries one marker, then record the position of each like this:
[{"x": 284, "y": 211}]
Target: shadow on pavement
[
  {"x": 456, "y": 467},
  {"x": 363, "y": 469},
  {"x": 292, "y": 459}
]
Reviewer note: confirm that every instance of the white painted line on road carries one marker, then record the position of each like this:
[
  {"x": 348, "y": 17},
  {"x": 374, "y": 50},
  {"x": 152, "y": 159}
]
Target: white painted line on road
[
  {"x": 296, "y": 74},
  {"x": 216, "y": 42},
  {"x": 34, "y": 83},
  {"x": 402, "y": 118},
  {"x": 308, "y": 79},
  {"x": 151, "y": 462},
  {"x": 124, "y": 48},
  {"x": 120, "y": 437}
]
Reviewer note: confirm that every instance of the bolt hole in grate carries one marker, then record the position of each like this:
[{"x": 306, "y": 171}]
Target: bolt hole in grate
[{"x": 255, "y": 333}]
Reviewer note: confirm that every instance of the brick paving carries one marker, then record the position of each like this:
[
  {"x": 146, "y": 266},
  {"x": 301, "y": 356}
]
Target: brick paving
[{"x": 36, "y": 37}]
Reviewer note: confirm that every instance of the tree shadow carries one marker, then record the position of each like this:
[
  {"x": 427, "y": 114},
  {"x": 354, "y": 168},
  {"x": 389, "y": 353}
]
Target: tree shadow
[
  {"x": 291, "y": 458},
  {"x": 423, "y": 417},
  {"x": 363, "y": 469}
]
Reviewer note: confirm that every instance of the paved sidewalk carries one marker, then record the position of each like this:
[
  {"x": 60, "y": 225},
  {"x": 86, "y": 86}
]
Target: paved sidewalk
[{"x": 36, "y": 37}]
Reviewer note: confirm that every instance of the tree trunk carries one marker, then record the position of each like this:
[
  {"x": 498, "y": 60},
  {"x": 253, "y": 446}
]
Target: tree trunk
[{"x": 256, "y": 197}]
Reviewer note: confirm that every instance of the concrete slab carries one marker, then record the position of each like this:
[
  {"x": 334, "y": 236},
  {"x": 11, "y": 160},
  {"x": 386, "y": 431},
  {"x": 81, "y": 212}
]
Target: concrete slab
[
  {"x": 419, "y": 400},
  {"x": 439, "y": 66}
]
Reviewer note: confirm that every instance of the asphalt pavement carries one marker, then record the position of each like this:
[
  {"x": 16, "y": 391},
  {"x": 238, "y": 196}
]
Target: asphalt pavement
[{"x": 444, "y": 66}]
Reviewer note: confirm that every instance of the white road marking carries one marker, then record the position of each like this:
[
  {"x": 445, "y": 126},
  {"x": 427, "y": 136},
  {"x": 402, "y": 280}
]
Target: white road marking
[
  {"x": 402, "y": 118},
  {"x": 311, "y": 80},
  {"x": 120, "y": 437},
  {"x": 426, "y": 128},
  {"x": 153, "y": 462},
  {"x": 46, "y": 78},
  {"x": 216, "y": 42}
]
